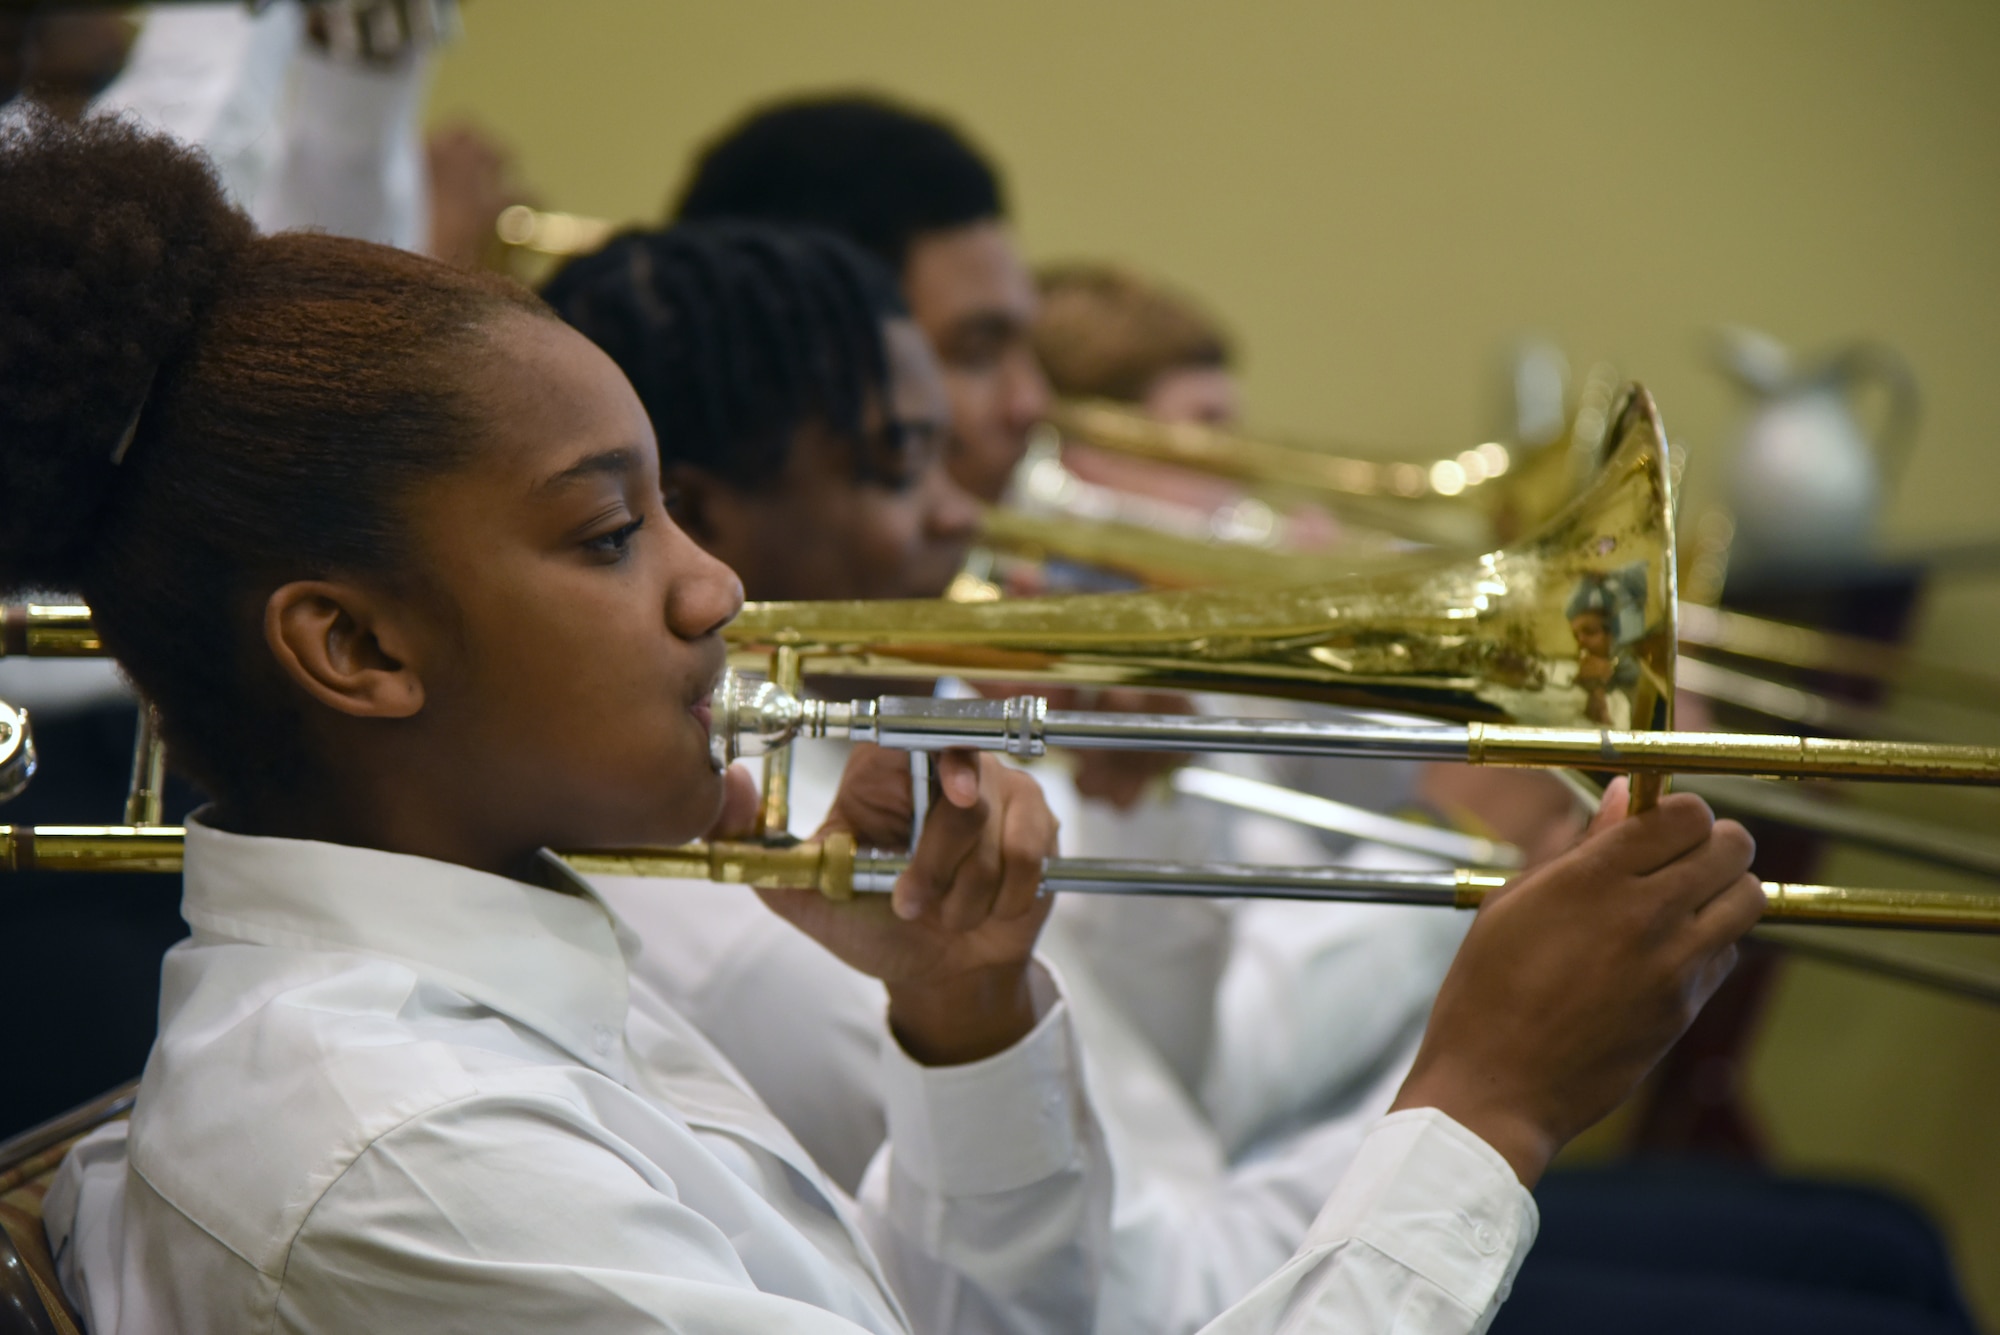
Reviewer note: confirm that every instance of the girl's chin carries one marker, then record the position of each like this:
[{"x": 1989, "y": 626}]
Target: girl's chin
[
  {"x": 690, "y": 815},
  {"x": 704, "y": 811}
]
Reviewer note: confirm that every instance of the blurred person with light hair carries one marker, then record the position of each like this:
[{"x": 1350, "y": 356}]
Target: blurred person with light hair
[{"x": 1104, "y": 332}]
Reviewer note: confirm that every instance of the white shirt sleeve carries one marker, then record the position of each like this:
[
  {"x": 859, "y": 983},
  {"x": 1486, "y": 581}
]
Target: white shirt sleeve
[
  {"x": 1185, "y": 1255},
  {"x": 991, "y": 1204},
  {"x": 1423, "y": 1237},
  {"x": 301, "y": 140},
  {"x": 215, "y": 75},
  {"x": 352, "y": 156}
]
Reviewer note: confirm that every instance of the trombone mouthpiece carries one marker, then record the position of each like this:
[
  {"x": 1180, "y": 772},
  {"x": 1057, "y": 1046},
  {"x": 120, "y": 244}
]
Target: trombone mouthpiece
[{"x": 750, "y": 717}]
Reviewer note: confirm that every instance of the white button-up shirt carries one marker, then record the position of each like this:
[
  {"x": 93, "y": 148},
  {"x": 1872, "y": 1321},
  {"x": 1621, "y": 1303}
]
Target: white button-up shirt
[
  {"x": 391, "y": 1094},
  {"x": 1193, "y": 1232}
]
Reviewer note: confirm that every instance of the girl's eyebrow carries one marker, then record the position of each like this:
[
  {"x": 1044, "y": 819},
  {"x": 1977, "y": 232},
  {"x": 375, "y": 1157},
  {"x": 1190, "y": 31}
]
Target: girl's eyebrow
[{"x": 618, "y": 462}]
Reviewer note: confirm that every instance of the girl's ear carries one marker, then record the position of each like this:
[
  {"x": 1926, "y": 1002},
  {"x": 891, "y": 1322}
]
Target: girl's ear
[{"x": 346, "y": 647}]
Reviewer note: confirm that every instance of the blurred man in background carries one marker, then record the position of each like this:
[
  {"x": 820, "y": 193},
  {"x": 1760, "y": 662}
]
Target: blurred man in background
[{"x": 914, "y": 191}]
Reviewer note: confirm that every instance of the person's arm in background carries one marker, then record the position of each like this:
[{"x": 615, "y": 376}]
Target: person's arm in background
[
  {"x": 215, "y": 75},
  {"x": 1316, "y": 994},
  {"x": 1185, "y": 1251},
  {"x": 352, "y": 154}
]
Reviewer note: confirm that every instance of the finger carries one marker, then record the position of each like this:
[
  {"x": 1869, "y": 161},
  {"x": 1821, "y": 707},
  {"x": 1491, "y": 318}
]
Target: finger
[
  {"x": 1029, "y": 833},
  {"x": 1590, "y": 851},
  {"x": 873, "y": 802},
  {"x": 1613, "y": 807},
  {"x": 958, "y": 775},
  {"x": 1643, "y": 844},
  {"x": 1706, "y": 871},
  {"x": 975, "y": 883},
  {"x": 740, "y": 800},
  {"x": 1725, "y": 919},
  {"x": 949, "y": 836}
]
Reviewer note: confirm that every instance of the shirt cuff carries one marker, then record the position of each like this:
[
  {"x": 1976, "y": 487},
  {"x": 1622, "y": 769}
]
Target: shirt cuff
[
  {"x": 1438, "y": 1201},
  {"x": 994, "y": 1125}
]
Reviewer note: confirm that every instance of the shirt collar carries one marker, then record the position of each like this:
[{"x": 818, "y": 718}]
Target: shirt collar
[{"x": 553, "y": 961}]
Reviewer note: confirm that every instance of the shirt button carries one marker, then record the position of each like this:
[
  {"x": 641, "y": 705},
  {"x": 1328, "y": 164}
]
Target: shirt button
[
  {"x": 1486, "y": 1238},
  {"x": 601, "y": 1038}
]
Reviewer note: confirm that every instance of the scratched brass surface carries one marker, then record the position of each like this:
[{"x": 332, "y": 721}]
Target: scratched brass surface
[
  {"x": 825, "y": 865},
  {"x": 1775, "y": 755},
  {"x": 1493, "y": 637}
]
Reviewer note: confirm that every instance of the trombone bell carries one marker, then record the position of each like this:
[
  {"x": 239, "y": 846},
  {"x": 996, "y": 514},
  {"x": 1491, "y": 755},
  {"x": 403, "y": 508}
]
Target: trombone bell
[{"x": 1572, "y": 627}]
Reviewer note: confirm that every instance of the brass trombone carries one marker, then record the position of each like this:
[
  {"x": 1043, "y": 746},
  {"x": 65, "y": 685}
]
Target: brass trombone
[
  {"x": 1524, "y": 487},
  {"x": 834, "y": 867},
  {"x": 1490, "y": 638},
  {"x": 1168, "y": 561},
  {"x": 1557, "y": 650}
]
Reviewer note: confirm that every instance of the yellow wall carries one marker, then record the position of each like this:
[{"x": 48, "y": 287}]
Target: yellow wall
[{"x": 1378, "y": 197}]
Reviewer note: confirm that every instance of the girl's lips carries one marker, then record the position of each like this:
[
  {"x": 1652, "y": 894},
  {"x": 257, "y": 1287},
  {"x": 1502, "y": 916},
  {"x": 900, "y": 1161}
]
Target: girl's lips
[{"x": 702, "y": 714}]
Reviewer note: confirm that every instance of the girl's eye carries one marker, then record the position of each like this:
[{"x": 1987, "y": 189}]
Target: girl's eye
[{"x": 614, "y": 544}]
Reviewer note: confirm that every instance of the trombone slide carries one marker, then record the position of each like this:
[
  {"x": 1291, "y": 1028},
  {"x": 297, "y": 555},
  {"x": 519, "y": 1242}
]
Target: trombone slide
[
  {"x": 749, "y": 720},
  {"x": 835, "y": 868}
]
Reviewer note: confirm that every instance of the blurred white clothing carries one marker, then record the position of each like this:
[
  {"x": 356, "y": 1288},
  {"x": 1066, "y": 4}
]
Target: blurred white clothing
[{"x": 300, "y": 139}]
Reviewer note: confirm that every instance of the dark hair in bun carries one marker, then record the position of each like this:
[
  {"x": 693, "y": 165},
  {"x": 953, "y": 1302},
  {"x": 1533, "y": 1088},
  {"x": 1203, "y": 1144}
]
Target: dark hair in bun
[
  {"x": 294, "y": 388},
  {"x": 115, "y": 244}
]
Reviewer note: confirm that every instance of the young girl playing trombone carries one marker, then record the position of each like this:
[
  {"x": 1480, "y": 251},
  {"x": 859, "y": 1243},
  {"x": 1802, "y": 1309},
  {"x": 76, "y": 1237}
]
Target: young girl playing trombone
[{"x": 385, "y": 544}]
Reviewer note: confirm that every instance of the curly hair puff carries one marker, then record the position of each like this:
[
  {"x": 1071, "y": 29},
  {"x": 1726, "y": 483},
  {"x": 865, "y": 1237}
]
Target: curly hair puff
[{"x": 281, "y": 395}]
